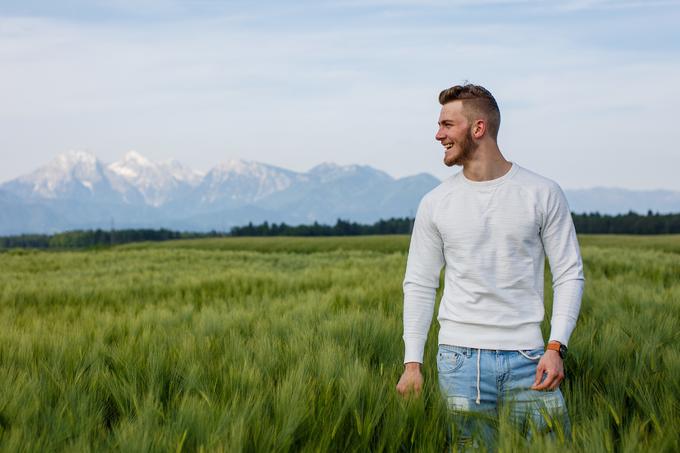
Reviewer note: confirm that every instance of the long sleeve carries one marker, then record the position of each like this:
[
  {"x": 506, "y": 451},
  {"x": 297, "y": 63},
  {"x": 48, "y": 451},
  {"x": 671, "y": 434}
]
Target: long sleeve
[
  {"x": 561, "y": 247},
  {"x": 425, "y": 261}
]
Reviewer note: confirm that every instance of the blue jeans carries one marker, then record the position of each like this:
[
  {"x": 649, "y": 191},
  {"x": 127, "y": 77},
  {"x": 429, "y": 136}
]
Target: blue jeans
[{"x": 476, "y": 384}]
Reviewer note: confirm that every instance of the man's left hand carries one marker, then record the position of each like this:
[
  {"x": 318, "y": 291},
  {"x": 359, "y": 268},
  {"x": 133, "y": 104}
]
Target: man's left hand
[{"x": 552, "y": 366}]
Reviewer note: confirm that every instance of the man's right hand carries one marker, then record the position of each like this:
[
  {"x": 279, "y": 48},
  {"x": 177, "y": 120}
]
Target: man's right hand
[{"x": 411, "y": 381}]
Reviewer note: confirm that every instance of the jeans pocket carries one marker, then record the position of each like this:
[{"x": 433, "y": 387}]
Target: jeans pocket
[{"x": 449, "y": 359}]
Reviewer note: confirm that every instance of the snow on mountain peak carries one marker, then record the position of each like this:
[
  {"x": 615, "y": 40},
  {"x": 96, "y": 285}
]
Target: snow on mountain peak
[
  {"x": 155, "y": 181},
  {"x": 73, "y": 166},
  {"x": 332, "y": 167},
  {"x": 237, "y": 166},
  {"x": 132, "y": 166},
  {"x": 329, "y": 171},
  {"x": 324, "y": 166},
  {"x": 133, "y": 157},
  {"x": 182, "y": 173},
  {"x": 251, "y": 169},
  {"x": 246, "y": 180},
  {"x": 75, "y": 158}
]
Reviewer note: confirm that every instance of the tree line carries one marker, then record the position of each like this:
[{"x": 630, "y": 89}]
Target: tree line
[
  {"x": 395, "y": 225},
  {"x": 630, "y": 223},
  {"x": 592, "y": 223}
]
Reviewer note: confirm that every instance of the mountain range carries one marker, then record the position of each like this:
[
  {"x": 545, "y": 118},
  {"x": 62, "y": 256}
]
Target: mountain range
[{"x": 77, "y": 191}]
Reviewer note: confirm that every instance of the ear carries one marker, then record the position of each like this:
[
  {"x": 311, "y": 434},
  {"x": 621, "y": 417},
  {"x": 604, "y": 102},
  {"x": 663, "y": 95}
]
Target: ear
[{"x": 479, "y": 129}]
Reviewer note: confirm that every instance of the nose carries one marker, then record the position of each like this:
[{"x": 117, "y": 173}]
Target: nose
[{"x": 439, "y": 136}]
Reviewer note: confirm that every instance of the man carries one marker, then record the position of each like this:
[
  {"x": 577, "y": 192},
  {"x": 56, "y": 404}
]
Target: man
[{"x": 492, "y": 224}]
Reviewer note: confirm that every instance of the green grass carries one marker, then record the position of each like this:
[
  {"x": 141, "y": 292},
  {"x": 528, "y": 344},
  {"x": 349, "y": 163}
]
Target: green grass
[
  {"x": 294, "y": 344},
  {"x": 377, "y": 243},
  {"x": 663, "y": 243}
]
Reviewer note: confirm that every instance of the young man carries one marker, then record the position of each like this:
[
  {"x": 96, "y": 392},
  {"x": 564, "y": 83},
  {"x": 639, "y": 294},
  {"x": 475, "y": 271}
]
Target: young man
[{"x": 492, "y": 224}]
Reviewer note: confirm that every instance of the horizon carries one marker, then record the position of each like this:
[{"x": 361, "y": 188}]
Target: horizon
[{"x": 586, "y": 88}]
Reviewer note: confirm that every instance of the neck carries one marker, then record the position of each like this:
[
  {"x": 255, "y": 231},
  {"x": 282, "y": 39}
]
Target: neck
[{"x": 486, "y": 164}]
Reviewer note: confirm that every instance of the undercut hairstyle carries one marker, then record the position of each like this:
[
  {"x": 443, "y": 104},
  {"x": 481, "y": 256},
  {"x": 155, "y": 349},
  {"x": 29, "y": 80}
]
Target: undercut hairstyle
[{"x": 477, "y": 102}]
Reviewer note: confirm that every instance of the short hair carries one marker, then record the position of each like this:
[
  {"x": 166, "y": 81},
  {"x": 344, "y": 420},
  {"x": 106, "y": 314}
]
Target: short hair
[{"x": 477, "y": 100}]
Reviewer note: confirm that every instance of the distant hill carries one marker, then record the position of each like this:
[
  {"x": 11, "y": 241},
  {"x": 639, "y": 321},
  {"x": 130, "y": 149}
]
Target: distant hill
[{"x": 619, "y": 201}]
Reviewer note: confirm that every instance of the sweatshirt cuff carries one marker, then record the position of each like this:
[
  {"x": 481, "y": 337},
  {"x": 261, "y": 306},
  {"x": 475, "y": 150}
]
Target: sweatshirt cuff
[
  {"x": 566, "y": 307},
  {"x": 561, "y": 330},
  {"x": 414, "y": 348}
]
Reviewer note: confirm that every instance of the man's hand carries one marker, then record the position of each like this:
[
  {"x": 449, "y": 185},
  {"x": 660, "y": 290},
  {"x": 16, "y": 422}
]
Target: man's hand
[
  {"x": 411, "y": 380},
  {"x": 551, "y": 364}
]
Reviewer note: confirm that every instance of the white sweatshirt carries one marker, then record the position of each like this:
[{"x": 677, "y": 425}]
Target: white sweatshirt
[{"x": 493, "y": 237}]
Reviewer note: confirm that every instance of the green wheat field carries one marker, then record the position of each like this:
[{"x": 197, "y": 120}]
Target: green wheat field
[{"x": 294, "y": 344}]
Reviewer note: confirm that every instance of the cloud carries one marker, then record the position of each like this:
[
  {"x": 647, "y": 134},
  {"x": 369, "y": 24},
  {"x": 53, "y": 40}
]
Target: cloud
[{"x": 354, "y": 90}]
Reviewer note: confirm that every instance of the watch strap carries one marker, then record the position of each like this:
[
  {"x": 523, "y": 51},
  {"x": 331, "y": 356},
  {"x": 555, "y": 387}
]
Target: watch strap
[
  {"x": 553, "y": 346},
  {"x": 558, "y": 347}
]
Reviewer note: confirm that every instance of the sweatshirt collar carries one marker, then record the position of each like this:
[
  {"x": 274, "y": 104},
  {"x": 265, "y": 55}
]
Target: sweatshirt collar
[{"x": 492, "y": 182}]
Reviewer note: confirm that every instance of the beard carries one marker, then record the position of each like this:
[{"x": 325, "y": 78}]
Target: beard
[{"x": 467, "y": 148}]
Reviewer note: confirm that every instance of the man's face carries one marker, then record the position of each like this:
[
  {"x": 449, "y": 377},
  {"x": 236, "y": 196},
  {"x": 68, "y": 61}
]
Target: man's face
[{"x": 455, "y": 134}]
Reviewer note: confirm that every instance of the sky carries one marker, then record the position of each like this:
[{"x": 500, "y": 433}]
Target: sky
[{"x": 588, "y": 89}]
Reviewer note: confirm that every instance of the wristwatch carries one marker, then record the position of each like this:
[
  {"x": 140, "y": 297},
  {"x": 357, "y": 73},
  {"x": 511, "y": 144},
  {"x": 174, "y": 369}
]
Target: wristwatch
[{"x": 557, "y": 346}]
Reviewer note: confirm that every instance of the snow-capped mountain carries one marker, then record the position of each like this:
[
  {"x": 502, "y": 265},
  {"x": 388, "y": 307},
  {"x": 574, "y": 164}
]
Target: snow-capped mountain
[
  {"x": 72, "y": 175},
  {"x": 182, "y": 173},
  {"x": 236, "y": 182},
  {"x": 159, "y": 182},
  {"x": 76, "y": 190}
]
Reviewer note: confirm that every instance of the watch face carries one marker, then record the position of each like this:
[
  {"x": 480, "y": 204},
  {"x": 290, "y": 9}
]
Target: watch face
[{"x": 563, "y": 351}]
